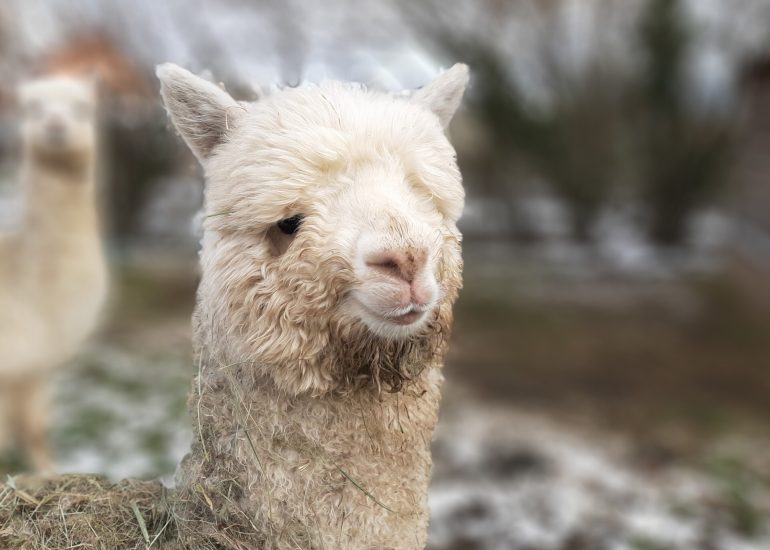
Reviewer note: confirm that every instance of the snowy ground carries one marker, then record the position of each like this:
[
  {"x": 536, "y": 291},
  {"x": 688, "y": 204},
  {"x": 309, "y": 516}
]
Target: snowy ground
[
  {"x": 507, "y": 480},
  {"x": 122, "y": 415}
]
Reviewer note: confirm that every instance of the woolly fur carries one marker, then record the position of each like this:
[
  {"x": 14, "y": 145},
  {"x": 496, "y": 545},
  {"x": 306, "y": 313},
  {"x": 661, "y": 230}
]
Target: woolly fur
[{"x": 314, "y": 430}]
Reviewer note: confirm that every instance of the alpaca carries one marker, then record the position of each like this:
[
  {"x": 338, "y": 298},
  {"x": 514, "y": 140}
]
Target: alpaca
[
  {"x": 330, "y": 263},
  {"x": 52, "y": 271}
]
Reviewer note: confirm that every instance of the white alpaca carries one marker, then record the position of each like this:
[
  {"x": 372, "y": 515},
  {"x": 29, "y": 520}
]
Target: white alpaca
[
  {"x": 52, "y": 272},
  {"x": 330, "y": 264}
]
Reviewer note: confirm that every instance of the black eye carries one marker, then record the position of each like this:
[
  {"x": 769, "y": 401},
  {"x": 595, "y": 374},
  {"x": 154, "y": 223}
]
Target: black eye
[{"x": 289, "y": 226}]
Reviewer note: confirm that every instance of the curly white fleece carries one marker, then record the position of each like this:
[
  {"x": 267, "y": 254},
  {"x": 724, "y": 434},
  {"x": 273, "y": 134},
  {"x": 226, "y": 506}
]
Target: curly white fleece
[{"x": 314, "y": 431}]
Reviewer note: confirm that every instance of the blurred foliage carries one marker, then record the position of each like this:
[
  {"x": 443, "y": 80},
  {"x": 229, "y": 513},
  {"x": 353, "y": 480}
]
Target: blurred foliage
[
  {"x": 601, "y": 129},
  {"x": 139, "y": 149},
  {"x": 574, "y": 144},
  {"x": 684, "y": 153}
]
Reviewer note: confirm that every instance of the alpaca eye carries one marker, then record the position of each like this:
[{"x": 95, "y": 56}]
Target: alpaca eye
[{"x": 289, "y": 226}]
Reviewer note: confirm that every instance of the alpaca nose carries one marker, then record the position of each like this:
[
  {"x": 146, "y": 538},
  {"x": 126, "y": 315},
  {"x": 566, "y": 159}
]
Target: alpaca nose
[{"x": 402, "y": 264}]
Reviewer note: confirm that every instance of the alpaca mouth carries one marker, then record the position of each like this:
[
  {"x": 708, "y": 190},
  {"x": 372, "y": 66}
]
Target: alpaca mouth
[{"x": 406, "y": 315}]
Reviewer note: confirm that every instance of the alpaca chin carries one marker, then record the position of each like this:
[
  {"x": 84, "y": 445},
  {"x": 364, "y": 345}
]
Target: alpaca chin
[{"x": 362, "y": 359}]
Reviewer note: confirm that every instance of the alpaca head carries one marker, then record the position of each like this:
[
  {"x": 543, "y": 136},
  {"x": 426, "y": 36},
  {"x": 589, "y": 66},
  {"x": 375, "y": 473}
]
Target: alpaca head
[
  {"x": 58, "y": 117},
  {"x": 331, "y": 253}
]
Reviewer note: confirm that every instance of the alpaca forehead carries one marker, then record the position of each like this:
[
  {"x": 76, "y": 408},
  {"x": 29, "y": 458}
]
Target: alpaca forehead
[
  {"x": 365, "y": 189},
  {"x": 392, "y": 186},
  {"x": 386, "y": 192},
  {"x": 306, "y": 145}
]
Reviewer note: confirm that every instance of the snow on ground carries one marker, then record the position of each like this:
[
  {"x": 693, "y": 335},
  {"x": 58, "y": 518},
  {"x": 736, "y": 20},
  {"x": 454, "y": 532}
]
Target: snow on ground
[
  {"x": 121, "y": 415},
  {"x": 506, "y": 480}
]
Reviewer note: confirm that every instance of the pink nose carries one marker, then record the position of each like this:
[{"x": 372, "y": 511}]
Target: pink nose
[{"x": 402, "y": 264}]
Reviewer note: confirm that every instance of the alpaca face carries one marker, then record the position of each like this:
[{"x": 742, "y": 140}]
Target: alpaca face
[
  {"x": 58, "y": 116},
  {"x": 331, "y": 215},
  {"x": 372, "y": 220}
]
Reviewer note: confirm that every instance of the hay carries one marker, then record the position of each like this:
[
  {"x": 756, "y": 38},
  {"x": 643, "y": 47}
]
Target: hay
[{"x": 84, "y": 512}]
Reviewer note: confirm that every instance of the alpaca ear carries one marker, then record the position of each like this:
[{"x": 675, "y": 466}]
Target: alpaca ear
[
  {"x": 201, "y": 111},
  {"x": 444, "y": 93}
]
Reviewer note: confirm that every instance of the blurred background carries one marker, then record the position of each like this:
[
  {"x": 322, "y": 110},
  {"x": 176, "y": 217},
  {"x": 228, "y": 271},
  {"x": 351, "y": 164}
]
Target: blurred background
[{"x": 609, "y": 381}]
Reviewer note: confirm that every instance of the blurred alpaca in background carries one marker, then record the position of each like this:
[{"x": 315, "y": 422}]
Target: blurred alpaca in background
[{"x": 53, "y": 276}]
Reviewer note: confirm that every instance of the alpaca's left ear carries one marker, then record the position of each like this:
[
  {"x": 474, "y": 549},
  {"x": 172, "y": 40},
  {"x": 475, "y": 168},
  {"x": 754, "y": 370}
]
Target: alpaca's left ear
[{"x": 444, "y": 94}]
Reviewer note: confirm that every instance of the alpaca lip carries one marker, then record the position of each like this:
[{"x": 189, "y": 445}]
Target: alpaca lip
[
  {"x": 406, "y": 316},
  {"x": 406, "y": 319}
]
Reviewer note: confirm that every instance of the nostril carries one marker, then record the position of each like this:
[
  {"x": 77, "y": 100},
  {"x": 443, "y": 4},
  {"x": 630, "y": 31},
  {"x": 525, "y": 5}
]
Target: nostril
[
  {"x": 404, "y": 264},
  {"x": 388, "y": 263}
]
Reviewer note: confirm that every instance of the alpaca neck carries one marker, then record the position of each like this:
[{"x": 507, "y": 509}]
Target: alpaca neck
[
  {"x": 337, "y": 471},
  {"x": 59, "y": 199},
  {"x": 61, "y": 258}
]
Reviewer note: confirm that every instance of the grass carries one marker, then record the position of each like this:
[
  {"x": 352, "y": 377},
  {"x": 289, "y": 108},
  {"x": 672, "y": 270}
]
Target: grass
[{"x": 742, "y": 489}]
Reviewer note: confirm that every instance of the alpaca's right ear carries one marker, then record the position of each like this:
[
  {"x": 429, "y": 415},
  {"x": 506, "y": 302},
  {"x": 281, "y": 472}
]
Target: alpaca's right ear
[{"x": 201, "y": 111}]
